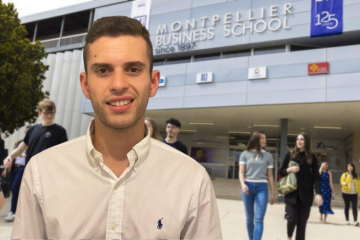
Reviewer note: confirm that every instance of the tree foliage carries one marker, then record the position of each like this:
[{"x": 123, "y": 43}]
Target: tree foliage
[{"x": 21, "y": 72}]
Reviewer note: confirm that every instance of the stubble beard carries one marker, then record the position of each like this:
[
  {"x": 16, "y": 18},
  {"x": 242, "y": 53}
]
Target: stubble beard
[{"x": 120, "y": 121}]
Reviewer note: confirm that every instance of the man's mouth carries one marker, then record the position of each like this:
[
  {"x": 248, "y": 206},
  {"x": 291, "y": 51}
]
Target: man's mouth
[{"x": 120, "y": 103}]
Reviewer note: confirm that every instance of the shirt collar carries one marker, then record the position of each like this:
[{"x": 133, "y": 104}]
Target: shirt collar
[
  {"x": 136, "y": 156},
  {"x": 253, "y": 150}
]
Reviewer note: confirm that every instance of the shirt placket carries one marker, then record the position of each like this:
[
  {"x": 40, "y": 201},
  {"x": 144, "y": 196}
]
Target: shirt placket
[{"x": 115, "y": 215}]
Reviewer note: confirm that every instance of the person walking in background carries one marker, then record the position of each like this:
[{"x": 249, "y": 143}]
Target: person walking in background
[
  {"x": 2, "y": 147},
  {"x": 153, "y": 128},
  {"x": 327, "y": 191},
  {"x": 16, "y": 171},
  {"x": 350, "y": 191},
  {"x": 255, "y": 173},
  {"x": 2, "y": 199},
  {"x": 172, "y": 130},
  {"x": 40, "y": 136},
  {"x": 298, "y": 203}
]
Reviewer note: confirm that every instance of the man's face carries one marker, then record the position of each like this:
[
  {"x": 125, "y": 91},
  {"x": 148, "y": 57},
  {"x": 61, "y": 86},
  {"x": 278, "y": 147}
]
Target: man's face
[
  {"x": 172, "y": 130},
  {"x": 118, "y": 81},
  {"x": 47, "y": 116}
]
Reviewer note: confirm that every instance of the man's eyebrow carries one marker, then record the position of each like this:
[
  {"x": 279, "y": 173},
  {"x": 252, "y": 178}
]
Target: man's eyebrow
[
  {"x": 135, "y": 64},
  {"x": 97, "y": 65}
]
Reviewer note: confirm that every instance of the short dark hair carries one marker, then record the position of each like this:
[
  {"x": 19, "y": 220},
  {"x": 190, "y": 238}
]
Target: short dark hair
[
  {"x": 46, "y": 105},
  {"x": 114, "y": 27},
  {"x": 173, "y": 121}
]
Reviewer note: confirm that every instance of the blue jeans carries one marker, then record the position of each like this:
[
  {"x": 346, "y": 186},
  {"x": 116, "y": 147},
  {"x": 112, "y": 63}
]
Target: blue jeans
[
  {"x": 255, "y": 207},
  {"x": 16, "y": 175}
]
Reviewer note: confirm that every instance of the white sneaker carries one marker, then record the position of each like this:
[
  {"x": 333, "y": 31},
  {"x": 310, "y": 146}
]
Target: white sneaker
[
  {"x": 10, "y": 217},
  {"x": 347, "y": 223},
  {"x": 356, "y": 223}
]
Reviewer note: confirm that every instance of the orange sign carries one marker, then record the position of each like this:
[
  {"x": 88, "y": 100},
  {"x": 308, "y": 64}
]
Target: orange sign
[{"x": 318, "y": 68}]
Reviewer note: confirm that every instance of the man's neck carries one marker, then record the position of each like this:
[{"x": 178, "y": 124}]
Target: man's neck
[
  {"x": 114, "y": 144},
  {"x": 45, "y": 124},
  {"x": 171, "y": 140}
]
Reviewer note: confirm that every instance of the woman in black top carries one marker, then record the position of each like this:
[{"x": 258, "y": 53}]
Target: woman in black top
[{"x": 298, "y": 203}]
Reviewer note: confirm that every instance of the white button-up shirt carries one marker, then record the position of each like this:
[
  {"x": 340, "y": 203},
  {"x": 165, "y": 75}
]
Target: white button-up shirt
[{"x": 67, "y": 192}]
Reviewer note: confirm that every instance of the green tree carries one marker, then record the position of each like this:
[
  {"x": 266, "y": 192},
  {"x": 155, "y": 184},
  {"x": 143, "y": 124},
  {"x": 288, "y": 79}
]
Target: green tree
[{"x": 21, "y": 72}]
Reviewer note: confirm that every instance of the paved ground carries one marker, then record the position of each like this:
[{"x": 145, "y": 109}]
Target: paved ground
[{"x": 233, "y": 223}]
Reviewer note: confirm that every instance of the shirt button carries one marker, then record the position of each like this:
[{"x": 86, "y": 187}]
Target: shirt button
[
  {"x": 113, "y": 226},
  {"x": 116, "y": 187}
]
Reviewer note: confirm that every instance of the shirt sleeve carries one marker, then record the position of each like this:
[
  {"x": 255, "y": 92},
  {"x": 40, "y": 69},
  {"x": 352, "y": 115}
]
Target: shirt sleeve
[
  {"x": 270, "y": 162},
  {"x": 316, "y": 174},
  {"x": 29, "y": 221},
  {"x": 27, "y": 136},
  {"x": 185, "y": 151},
  {"x": 203, "y": 219},
  {"x": 63, "y": 136},
  {"x": 242, "y": 158}
]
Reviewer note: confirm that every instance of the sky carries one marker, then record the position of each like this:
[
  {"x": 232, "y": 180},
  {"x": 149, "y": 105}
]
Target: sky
[{"x": 30, "y": 7}]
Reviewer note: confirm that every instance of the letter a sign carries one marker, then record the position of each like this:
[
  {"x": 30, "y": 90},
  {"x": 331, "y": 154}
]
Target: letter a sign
[{"x": 326, "y": 17}]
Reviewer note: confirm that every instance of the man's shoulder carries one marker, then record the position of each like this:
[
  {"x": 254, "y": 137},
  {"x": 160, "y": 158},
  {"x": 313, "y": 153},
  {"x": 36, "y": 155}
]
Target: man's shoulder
[{"x": 59, "y": 127}]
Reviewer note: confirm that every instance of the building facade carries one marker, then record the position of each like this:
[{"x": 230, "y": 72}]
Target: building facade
[{"x": 227, "y": 68}]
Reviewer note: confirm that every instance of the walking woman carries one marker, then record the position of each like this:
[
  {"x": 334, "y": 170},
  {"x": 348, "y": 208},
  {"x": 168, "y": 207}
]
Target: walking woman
[
  {"x": 327, "y": 190},
  {"x": 350, "y": 192},
  {"x": 298, "y": 203},
  {"x": 256, "y": 171}
]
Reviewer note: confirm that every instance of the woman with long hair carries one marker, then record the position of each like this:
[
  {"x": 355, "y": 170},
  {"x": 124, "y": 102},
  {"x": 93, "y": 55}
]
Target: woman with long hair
[
  {"x": 327, "y": 191},
  {"x": 256, "y": 171},
  {"x": 298, "y": 203},
  {"x": 350, "y": 191},
  {"x": 153, "y": 128}
]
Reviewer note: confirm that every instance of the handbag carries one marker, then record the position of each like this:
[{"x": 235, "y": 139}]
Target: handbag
[
  {"x": 5, "y": 186},
  {"x": 288, "y": 183}
]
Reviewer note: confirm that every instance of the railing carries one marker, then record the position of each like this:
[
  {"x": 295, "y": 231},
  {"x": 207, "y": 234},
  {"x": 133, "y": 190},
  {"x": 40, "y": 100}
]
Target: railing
[{"x": 64, "y": 41}]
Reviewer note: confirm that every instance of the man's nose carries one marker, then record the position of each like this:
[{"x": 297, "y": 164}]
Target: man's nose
[{"x": 119, "y": 83}]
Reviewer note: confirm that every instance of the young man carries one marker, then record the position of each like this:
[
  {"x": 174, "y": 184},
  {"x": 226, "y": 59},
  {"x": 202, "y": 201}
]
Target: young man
[
  {"x": 40, "y": 136},
  {"x": 172, "y": 130},
  {"x": 114, "y": 182}
]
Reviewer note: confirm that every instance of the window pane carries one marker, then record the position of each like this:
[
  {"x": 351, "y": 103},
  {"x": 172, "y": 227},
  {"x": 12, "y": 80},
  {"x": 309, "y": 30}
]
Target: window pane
[
  {"x": 178, "y": 60},
  {"x": 239, "y": 53},
  {"x": 269, "y": 50},
  {"x": 159, "y": 62},
  {"x": 206, "y": 57}
]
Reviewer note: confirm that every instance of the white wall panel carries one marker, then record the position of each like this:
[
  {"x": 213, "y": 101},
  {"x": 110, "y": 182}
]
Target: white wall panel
[
  {"x": 71, "y": 89},
  {"x": 63, "y": 86}
]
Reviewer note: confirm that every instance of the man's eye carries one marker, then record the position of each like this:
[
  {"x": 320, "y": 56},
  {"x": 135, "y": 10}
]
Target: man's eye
[
  {"x": 102, "y": 71},
  {"x": 134, "y": 70}
]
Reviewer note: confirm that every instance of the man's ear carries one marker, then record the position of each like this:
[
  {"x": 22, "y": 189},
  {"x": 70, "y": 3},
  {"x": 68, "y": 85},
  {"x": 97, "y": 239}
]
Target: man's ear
[
  {"x": 155, "y": 78},
  {"x": 84, "y": 85}
]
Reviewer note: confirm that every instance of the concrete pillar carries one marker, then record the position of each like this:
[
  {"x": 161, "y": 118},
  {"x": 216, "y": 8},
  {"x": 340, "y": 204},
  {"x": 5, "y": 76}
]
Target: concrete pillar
[
  {"x": 356, "y": 151},
  {"x": 58, "y": 70},
  {"x": 50, "y": 61},
  {"x": 63, "y": 87},
  {"x": 71, "y": 90},
  {"x": 283, "y": 139},
  {"x": 76, "y": 116}
]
